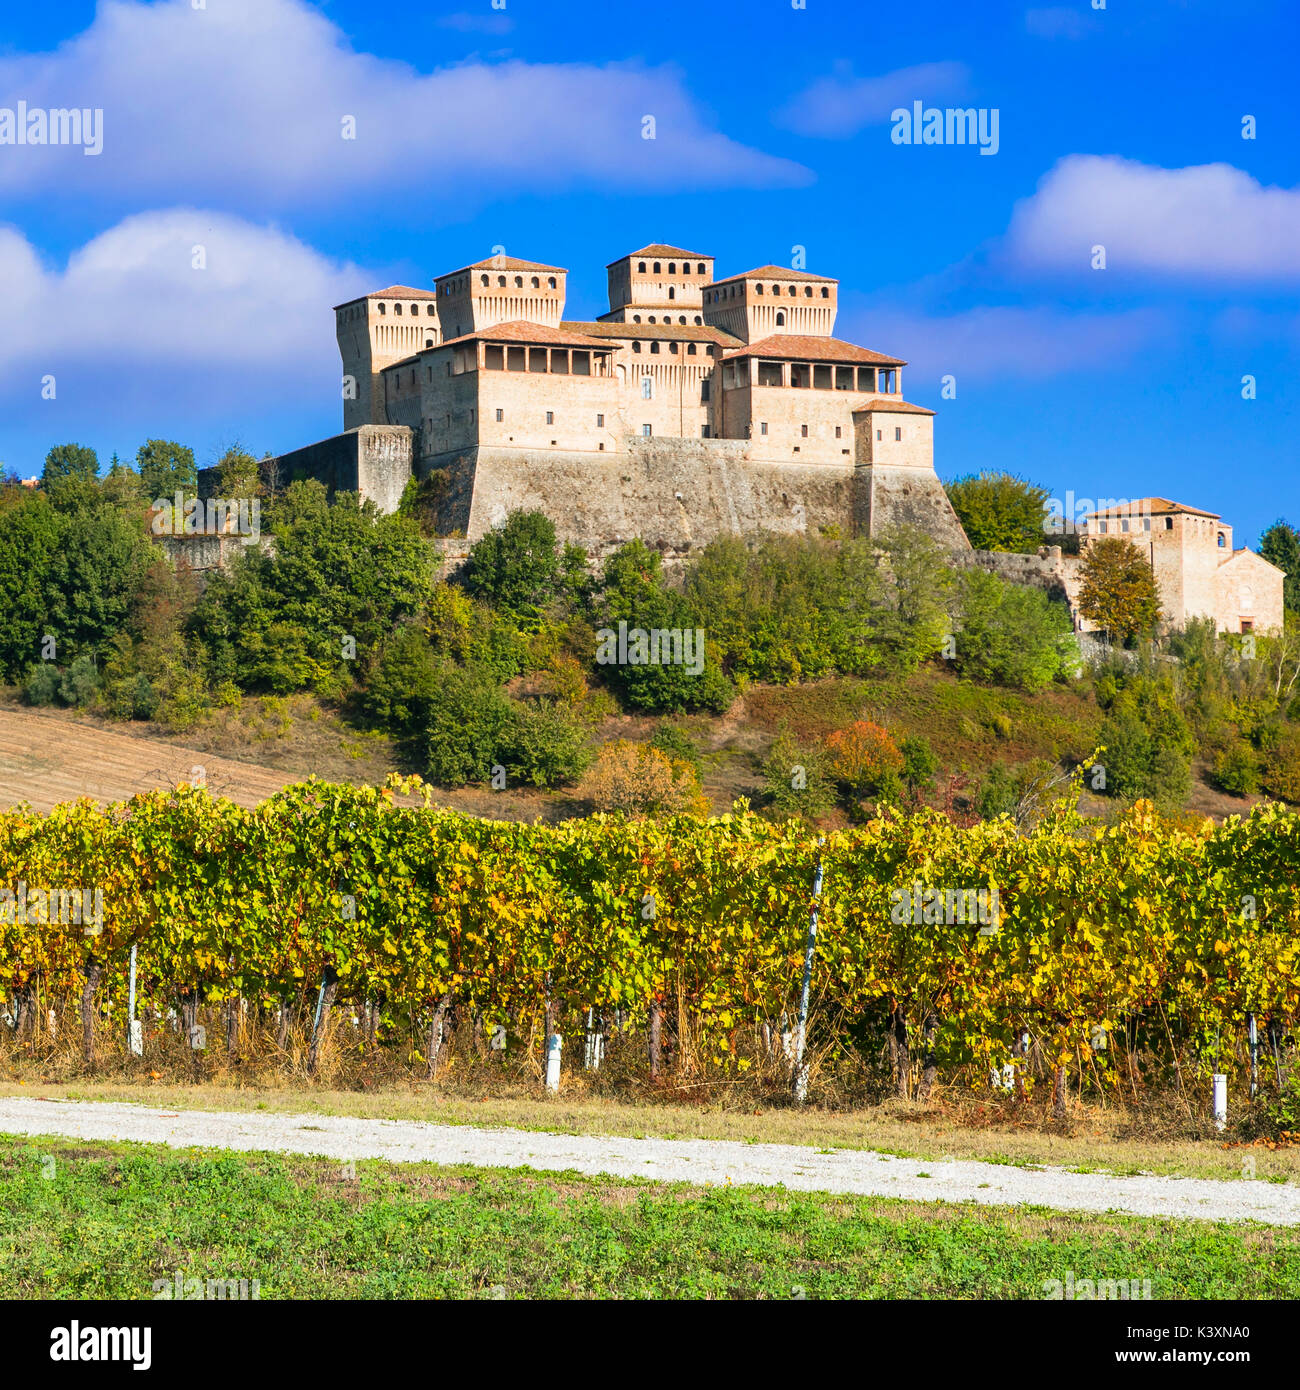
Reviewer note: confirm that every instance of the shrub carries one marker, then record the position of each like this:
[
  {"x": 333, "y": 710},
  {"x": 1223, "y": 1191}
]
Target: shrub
[
  {"x": 466, "y": 727},
  {"x": 863, "y": 758},
  {"x": 1012, "y": 634},
  {"x": 42, "y": 684},
  {"x": 1235, "y": 769},
  {"x": 80, "y": 682},
  {"x": 544, "y": 745},
  {"x": 919, "y": 765},
  {"x": 674, "y": 742},
  {"x": 638, "y": 780},
  {"x": 999, "y": 511},
  {"x": 1281, "y": 777},
  {"x": 518, "y": 566},
  {"x": 796, "y": 779}
]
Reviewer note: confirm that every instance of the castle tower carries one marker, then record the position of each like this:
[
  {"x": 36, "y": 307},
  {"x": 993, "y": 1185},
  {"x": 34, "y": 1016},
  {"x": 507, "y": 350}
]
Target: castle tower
[
  {"x": 501, "y": 289},
  {"x": 658, "y": 284},
  {"x": 374, "y": 332},
  {"x": 771, "y": 300}
]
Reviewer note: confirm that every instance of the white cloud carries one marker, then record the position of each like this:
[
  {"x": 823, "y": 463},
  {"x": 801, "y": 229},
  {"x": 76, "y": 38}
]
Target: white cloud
[
  {"x": 1001, "y": 341},
  {"x": 838, "y": 106},
  {"x": 246, "y": 99},
  {"x": 1210, "y": 221},
  {"x": 129, "y": 308}
]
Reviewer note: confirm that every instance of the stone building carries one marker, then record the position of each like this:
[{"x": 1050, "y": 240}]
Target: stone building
[
  {"x": 694, "y": 406},
  {"x": 1197, "y": 571}
]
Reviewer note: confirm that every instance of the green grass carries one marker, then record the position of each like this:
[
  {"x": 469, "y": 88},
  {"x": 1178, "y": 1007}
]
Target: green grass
[{"x": 106, "y": 1220}]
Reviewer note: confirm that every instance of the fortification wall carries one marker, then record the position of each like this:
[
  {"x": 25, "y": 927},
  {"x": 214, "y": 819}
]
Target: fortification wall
[
  {"x": 906, "y": 496},
  {"x": 1060, "y": 575},
  {"x": 675, "y": 494}
]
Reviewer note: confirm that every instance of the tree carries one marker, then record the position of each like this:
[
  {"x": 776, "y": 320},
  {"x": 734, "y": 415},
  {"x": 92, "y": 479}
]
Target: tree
[
  {"x": 1012, "y": 634},
  {"x": 69, "y": 460},
  {"x": 122, "y": 486},
  {"x": 999, "y": 511},
  {"x": 164, "y": 467},
  {"x": 519, "y": 567},
  {"x": 95, "y": 575},
  {"x": 29, "y": 536},
  {"x": 1280, "y": 546},
  {"x": 1119, "y": 590}
]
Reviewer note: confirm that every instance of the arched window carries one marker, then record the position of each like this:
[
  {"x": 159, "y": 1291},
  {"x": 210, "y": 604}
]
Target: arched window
[
  {"x": 758, "y": 289},
  {"x": 415, "y": 309},
  {"x": 672, "y": 267},
  {"x": 636, "y": 347},
  {"x": 537, "y": 284},
  {"x": 640, "y": 267},
  {"x": 519, "y": 282},
  {"x": 656, "y": 267},
  {"x": 501, "y": 281},
  {"x": 793, "y": 291},
  {"x": 550, "y": 282},
  {"x": 672, "y": 291},
  {"x": 428, "y": 342},
  {"x": 672, "y": 347},
  {"x": 654, "y": 347},
  {"x": 636, "y": 318},
  {"x": 826, "y": 292},
  {"x": 699, "y": 269},
  {"x": 807, "y": 290},
  {"x": 698, "y": 319},
  {"x": 651, "y": 319},
  {"x": 383, "y": 308},
  {"x": 776, "y": 289},
  {"x": 430, "y": 310},
  {"x": 690, "y": 350},
  {"x": 397, "y": 308},
  {"x": 1223, "y": 540},
  {"x": 483, "y": 280},
  {"x": 780, "y": 319},
  {"x": 681, "y": 318}
]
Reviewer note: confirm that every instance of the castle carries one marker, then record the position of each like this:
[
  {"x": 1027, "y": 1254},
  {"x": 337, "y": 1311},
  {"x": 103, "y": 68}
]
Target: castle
[{"x": 695, "y": 406}]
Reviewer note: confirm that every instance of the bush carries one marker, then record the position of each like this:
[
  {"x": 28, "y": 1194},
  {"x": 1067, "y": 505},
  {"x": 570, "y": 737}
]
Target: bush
[
  {"x": 796, "y": 779},
  {"x": 467, "y": 723},
  {"x": 544, "y": 746},
  {"x": 919, "y": 765},
  {"x": 674, "y": 742},
  {"x": 80, "y": 682},
  {"x": 1140, "y": 761},
  {"x": 640, "y": 781},
  {"x": 1281, "y": 777},
  {"x": 864, "y": 758},
  {"x": 1012, "y": 634},
  {"x": 518, "y": 566},
  {"x": 42, "y": 684},
  {"x": 1236, "y": 770}
]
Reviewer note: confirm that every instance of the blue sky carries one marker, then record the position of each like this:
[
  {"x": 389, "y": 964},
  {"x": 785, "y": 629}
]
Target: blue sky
[{"x": 522, "y": 127}]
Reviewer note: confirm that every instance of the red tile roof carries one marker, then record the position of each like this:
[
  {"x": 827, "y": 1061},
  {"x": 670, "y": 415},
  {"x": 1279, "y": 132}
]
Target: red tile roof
[
  {"x": 392, "y": 292},
  {"x": 504, "y": 263},
  {"x": 800, "y": 347},
  {"x": 890, "y": 405},
  {"x": 659, "y": 249},
  {"x": 1154, "y": 506},
  {"x": 687, "y": 332},
  {"x": 521, "y": 331},
  {"x": 777, "y": 272}
]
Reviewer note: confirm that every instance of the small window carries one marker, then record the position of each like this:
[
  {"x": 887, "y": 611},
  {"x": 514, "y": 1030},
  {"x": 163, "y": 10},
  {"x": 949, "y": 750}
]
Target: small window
[
  {"x": 483, "y": 280},
  {"x": 672, "y": 267},
  {"x": 1101, "y": 527},
  {"x": 759, "y": 288},
  {"x": 415, "y": 309},
  {"x": 646, "y": 430},
  {"x": 699, "y": 269},
  {"x": 1146, "y": 523},
  {"x": 519, "y": 282},
  {"x": 636, "y": 347},
  {"x": 600, "y": 422},
  {"x": 698, "y": 319},
  {"x": 839, "y": 432},
  {"x": 501, "y": 415},
  {"x": 880, "y": 434},
  {"x": 651, "y": 319},
  {"x": 1123, "y": 526},
  {"x": 397, "y": 308},
  {"x": 898, "y": 432},
  {"x": 690, "y": 350},
  {"x": 803, "y": 431},
  {"x": 1169, "y": 523},
  {"x": 1223, "y": 541},
  {"x": 647, "y": 388},
  {"x": 383, "y": 308},
  {"x": 640, "y": 267},
  {"x": 550, "y": 282},
  {"x": 780, "y": 320},
  {"x": 762, "y": 427},
  {"x": 704, "y": 431},
  {"x": 636, "y": 318},
  {"x": 431, "y": 309},
  {"x": 501, "y": 281},
  {"x": 537, "y": 284},
  {"x": 826, "y": 294},
  {"x": 807, "y": 289},
  {"x": 681, "y": 318},
  {"x": 657, "y": 268},
  {"x": 550, "y": 417},
  {"x": 654, "y": 347}
]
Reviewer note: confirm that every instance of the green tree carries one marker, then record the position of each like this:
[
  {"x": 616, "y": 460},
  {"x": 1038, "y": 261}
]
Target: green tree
[
  {"x": 66, "y": 460},
  {"x": 1280, "y": 546},
  {"x": 165, "y": 466},
  {"x": 519, "y": 566},
  {"x": 94, "y": 577},
  {"x": 1012, "y": 634},
  {"x": 999, "y": 511},
  {"x": 30, "y": 530},
  {"x": 1119, "y": 590}
]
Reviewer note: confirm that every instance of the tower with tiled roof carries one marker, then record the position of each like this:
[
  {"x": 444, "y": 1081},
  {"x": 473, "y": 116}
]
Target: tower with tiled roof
[
  {"x": 658, "y": 284},
  {"x": 373, "y": 332}
]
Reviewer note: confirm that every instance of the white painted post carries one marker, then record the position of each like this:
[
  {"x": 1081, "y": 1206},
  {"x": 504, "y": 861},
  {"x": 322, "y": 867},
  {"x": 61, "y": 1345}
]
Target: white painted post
[
  {"x": 1254, "y": 1054},
  {"x": 801, "y": 1036},
  {"x": 595, "y": 1050},
  {"x": 554, "y": 1046},
  {"x": 1220, "y": 1101},
  {"x": 134, "y": 1029}
]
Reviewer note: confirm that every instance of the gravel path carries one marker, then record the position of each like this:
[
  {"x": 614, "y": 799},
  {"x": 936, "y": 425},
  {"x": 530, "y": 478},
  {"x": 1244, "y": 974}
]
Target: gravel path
[{"x": 698, "y": 1161}]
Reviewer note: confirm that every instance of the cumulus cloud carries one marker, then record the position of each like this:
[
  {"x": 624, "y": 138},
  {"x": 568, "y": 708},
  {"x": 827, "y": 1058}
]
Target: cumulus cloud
[
  {"x": 1210, "y": 221},
  {"x": 248, "y": 99},
  {"x": 842, "y": 104},
  {"x": 999, "y": 341},
  {"x": 129, "y": 306}
]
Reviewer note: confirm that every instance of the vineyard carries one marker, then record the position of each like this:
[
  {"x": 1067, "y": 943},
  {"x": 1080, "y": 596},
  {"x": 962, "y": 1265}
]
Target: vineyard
[{"x": 1119, "y": 957}]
